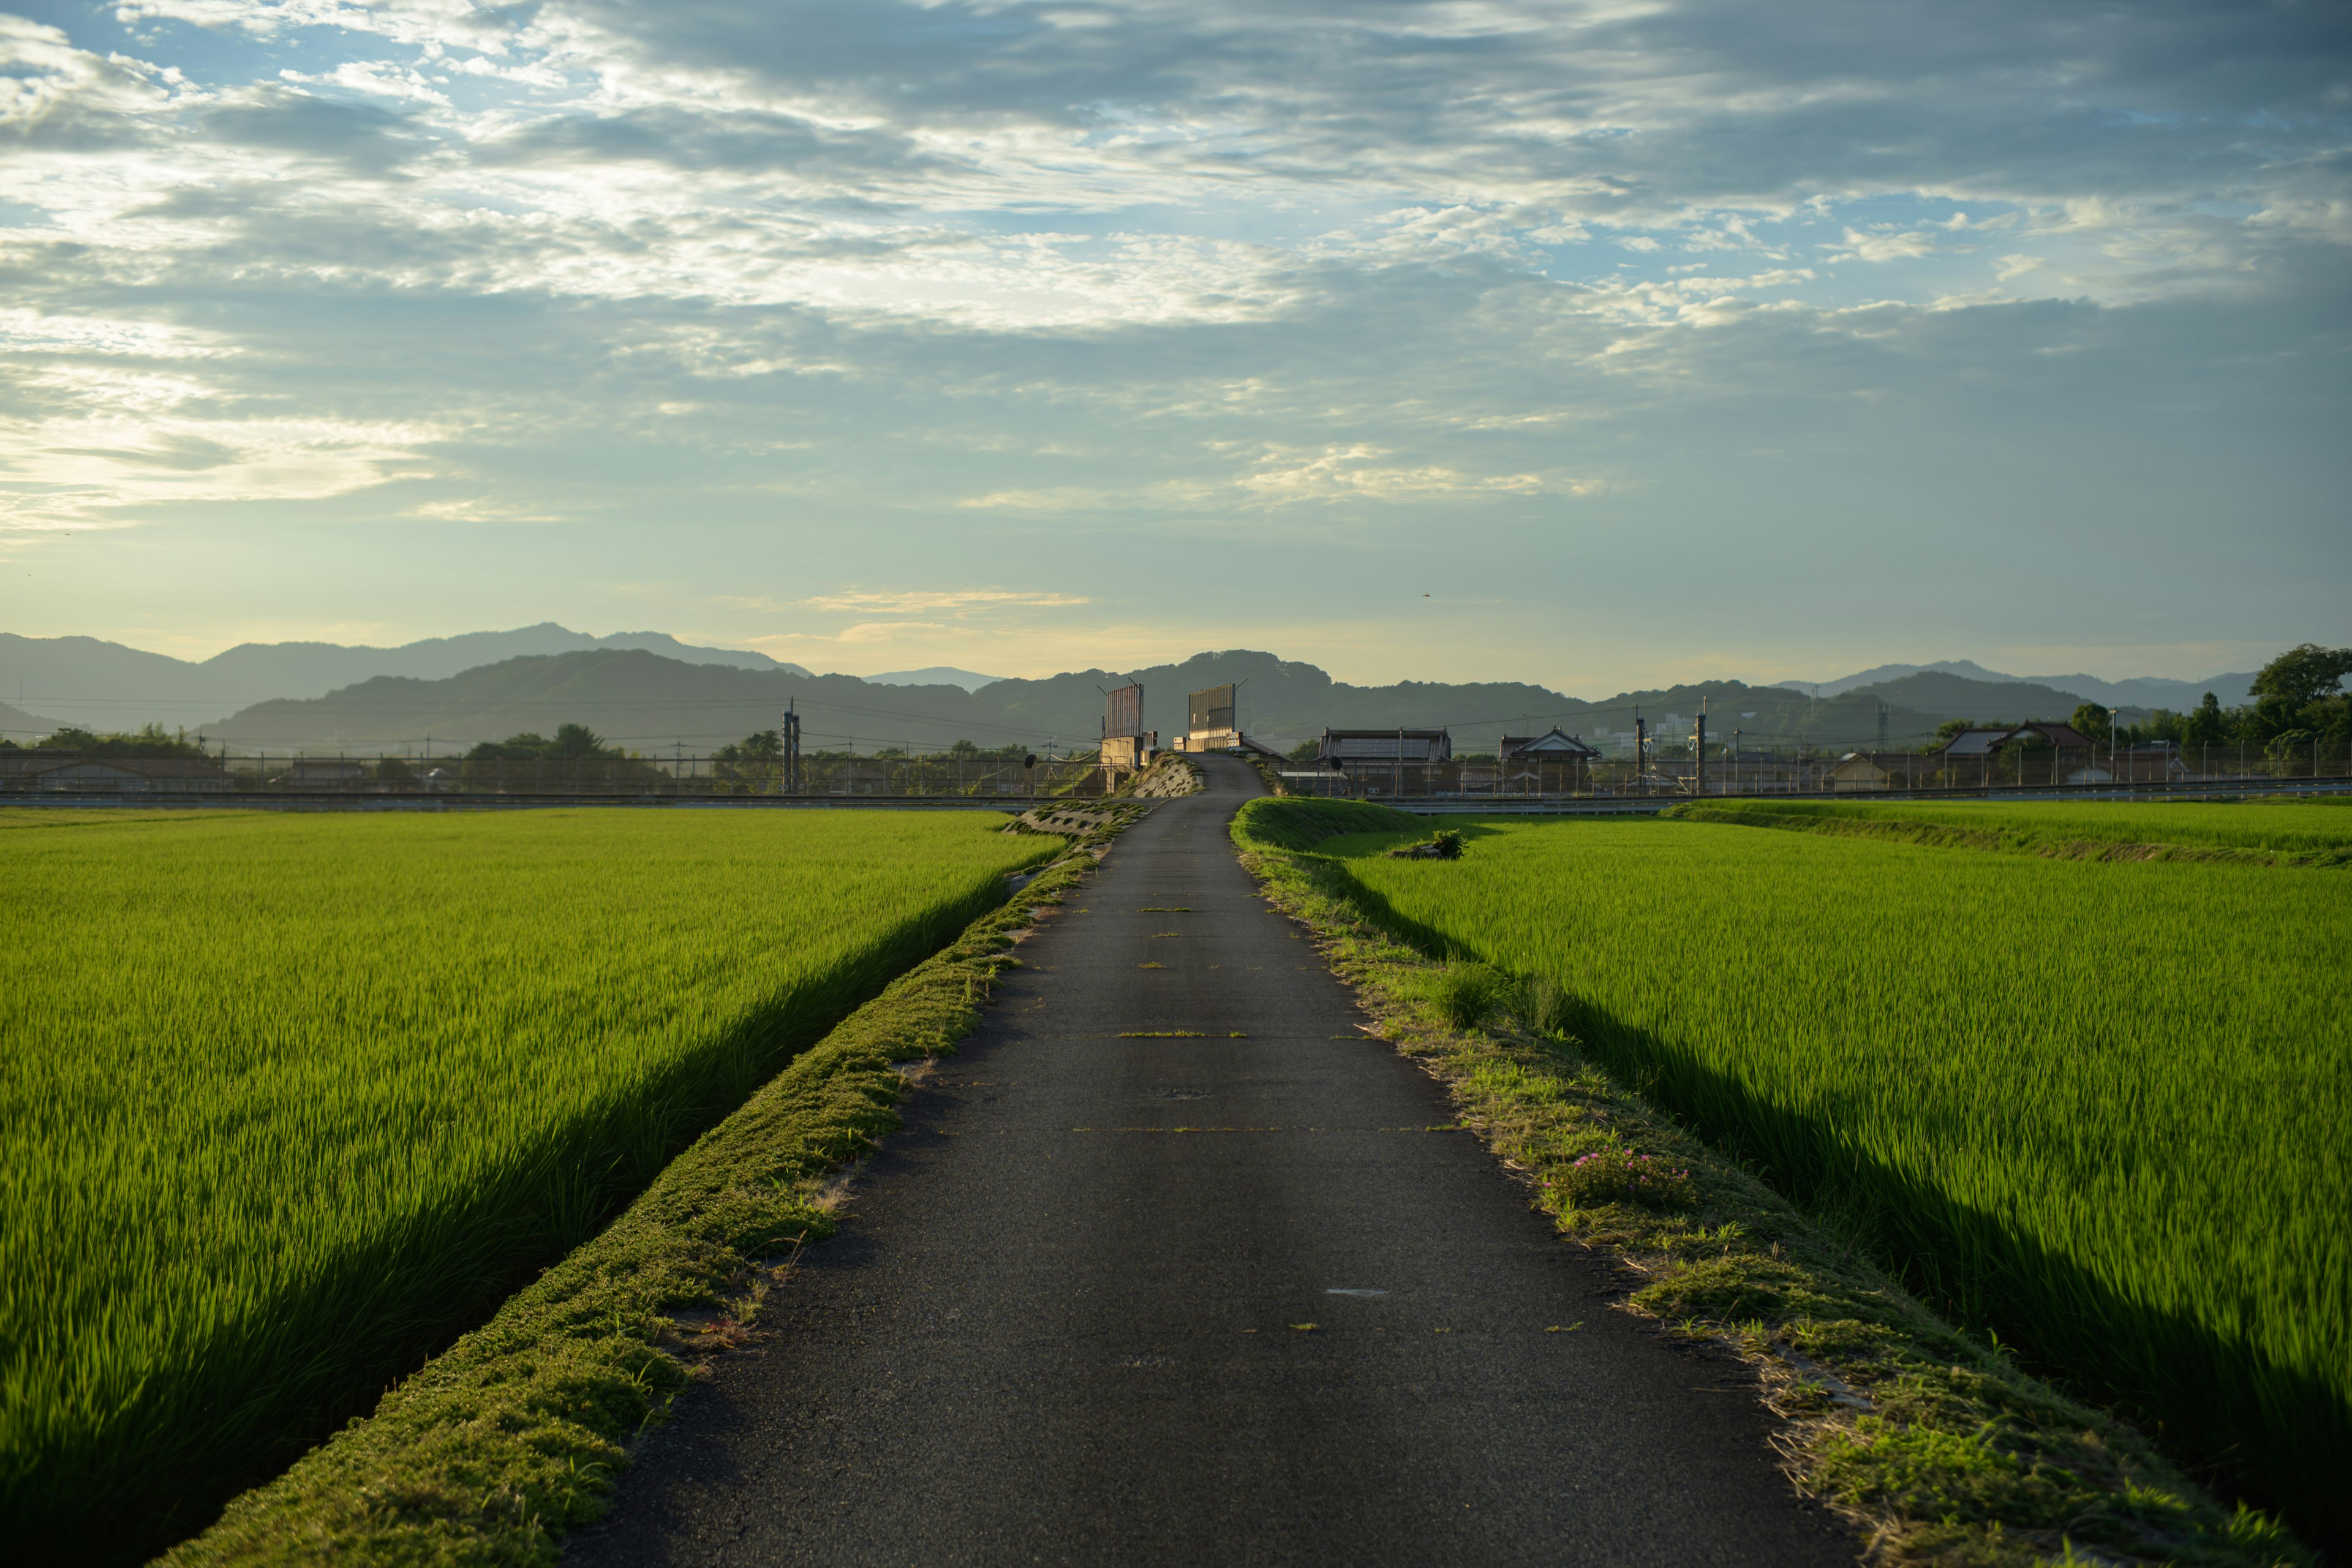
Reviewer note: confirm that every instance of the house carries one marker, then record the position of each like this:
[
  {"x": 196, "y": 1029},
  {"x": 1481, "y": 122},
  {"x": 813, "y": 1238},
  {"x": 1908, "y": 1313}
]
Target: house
[
  {"x": 1975, "y": 745},
  {"x": 1372, "y": 751},
  {"x": 1551, "y": 746},
  {"x": 325, "y": 773},
  {"x": 71, "y": 772},
  {"x": 2062, "y": 737},
  {"x": 1549, "y": 761},
  {"x": 1858, "y": 770}
]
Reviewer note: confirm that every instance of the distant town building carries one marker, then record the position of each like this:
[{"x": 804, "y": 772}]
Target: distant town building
[
  {"x": 1550, "y": 761},
  {"x": 1364, "y": 751},
  {"x": 2064, "y": 737},
  {"x": 73, "y": 773},
  {"x": 325, "y": 773},
  {"x": 1883, "y": 770},
  {"x": 1977, "y": 744}
]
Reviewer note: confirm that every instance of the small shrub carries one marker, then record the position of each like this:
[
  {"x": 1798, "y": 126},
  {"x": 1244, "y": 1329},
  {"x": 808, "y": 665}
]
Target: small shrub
[
  {"x": 1445, "y": 843},
  {"x": 1466, "y": 995},
  {"x": 1546, "y": 1006},
  {"x": 1620, "y": 1175}
]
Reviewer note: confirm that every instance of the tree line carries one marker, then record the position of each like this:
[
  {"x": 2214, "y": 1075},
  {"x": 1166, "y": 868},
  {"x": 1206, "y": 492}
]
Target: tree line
[{"x": 2298, "y": 700}]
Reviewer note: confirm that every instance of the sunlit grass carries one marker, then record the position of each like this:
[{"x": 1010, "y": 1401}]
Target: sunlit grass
[
  {"x": 286, "y": 1101},
  {"x": 2095, "y": 1108},
  {"x": 2283, "y": 826}
]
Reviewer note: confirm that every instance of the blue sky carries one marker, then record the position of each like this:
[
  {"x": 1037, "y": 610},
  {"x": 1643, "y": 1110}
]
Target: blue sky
[{"x": 1599, "y": 344}]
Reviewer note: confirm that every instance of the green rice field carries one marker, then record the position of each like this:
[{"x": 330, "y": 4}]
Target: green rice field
[
  {"x": 288, "y": 1101},
  {"x": 2096, "y": 1108},
  {"x": 2299, "y": 828}
]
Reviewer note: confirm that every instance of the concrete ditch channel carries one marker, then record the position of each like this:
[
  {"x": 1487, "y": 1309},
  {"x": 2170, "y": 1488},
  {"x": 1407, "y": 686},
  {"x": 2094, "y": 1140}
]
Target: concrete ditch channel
[{"x": 1175, "y": 1264}]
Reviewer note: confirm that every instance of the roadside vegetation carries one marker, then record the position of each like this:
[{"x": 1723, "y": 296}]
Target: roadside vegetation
[
  {"x": 2086, "y": 1110},
  {"x": 291, "y": 1101}
]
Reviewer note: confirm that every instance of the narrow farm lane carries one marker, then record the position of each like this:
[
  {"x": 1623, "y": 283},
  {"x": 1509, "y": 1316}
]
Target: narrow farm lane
[{"x": 1174, "y": 1264}]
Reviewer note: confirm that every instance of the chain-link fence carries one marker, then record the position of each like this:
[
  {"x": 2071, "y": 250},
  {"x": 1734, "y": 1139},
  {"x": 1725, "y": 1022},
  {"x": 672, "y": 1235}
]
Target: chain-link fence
[
  {"x": 978, "y": 777},
  {"x": 2157, "y": 768}
]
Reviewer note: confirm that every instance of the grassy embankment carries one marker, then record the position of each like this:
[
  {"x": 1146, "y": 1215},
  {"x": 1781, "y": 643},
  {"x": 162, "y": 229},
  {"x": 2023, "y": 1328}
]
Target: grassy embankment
[
  {"x": 290, "y": 1102},
  {"x": 2264, "y": 832},
  {"x": 2086, "y": 1114}
]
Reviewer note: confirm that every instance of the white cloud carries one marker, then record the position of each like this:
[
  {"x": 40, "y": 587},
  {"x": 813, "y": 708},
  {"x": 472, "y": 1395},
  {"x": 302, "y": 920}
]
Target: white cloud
[
  {"x": 916, "y": 600},
  {"x": 1884, "y": 246}
]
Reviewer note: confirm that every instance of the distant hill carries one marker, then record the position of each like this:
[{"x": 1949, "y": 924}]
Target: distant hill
[
  {"x": 2140, "y": 691},
  {"x": 633, "y": 697},
  {"x": 22, "y": 727},
  {"x": 1933, "y": 691},
  {"x": 649, "y": 702},
  {"x": 937, "y": 675},
  {"x": 106, "y": 686}
]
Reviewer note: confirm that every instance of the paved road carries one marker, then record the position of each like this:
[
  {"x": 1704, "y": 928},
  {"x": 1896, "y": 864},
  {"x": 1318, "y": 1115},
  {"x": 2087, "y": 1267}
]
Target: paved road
[{"x": 1062, "y": 1324}]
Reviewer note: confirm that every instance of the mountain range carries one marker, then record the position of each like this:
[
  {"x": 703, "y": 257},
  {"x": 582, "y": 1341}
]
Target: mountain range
[
  {"x": 2141, "y": 691},
  {"x": 650, "y": 692},
  {"x": 106, "y": 685},
  {"x": 652, "y": 704},
  {"x": 934, "y": 674}
]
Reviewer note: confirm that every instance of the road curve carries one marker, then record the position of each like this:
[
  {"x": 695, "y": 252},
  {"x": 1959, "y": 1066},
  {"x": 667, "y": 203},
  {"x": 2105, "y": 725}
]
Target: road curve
[{"x": 1064, "y": 1322}]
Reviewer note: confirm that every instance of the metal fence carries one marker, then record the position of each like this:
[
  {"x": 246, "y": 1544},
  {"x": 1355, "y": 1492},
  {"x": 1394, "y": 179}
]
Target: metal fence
[
  {"x": 314, "y": 774},
  {"x": 2194, "y": 769}
]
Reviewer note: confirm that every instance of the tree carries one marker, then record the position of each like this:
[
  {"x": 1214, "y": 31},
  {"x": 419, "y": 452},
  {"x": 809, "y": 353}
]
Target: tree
[
  {"x": 577, "y": 742},
  {"x": 2091, "y": 719},
  {"x": 1305, "y": 750},
  {"x": 148, "y": 741},
  {"x": 2206, "y": 724},
  {"x": 741, "y": 766},
  {"x": 759, "y": 746},
  {"x": 2300, "y": 693},
  {"x": 2304, "y": 674},
  {"x": 572, "y": 744}
]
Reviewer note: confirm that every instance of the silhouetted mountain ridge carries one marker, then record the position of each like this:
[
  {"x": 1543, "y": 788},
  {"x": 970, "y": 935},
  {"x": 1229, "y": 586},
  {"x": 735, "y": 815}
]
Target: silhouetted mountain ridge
[
  {"x": 2140, "y": 691},
  {"x": 649, "y": 702},
  {"x": 106, "y": 685}
]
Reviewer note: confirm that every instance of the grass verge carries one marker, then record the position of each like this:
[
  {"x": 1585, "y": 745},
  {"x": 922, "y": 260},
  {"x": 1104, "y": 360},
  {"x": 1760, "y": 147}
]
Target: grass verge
[
  {"x": 518, "y": 1433},
  {"x": 1937, "y": 1446}
]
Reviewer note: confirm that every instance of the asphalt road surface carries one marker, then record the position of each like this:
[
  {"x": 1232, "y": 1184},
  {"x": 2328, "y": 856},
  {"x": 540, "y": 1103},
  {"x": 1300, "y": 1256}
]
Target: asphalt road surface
[{"x": 1234, "y": 1297}]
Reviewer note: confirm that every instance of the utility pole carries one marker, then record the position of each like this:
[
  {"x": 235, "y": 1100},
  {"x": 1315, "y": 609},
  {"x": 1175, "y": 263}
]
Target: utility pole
[
  {"x": 1641, "y": 751},
  {"x": 1881, "y": 724},
  {"x": 789, "y": 733},
  {"x": 1698, "y": 754},
  {"x": 1735, "y": 760}
]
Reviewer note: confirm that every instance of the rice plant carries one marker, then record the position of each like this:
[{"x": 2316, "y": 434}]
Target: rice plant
[
  {"x": 2281, "y": 826},
  {"x": 286, "y": 1102},
  {"x": 2095, "y": 1109}
]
